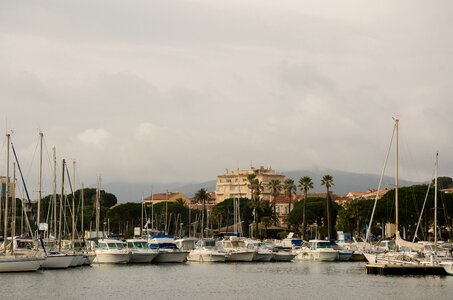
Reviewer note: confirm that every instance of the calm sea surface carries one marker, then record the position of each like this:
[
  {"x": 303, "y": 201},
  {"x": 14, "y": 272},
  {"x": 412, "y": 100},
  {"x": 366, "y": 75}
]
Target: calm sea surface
[{"x": 297, "y": 280}]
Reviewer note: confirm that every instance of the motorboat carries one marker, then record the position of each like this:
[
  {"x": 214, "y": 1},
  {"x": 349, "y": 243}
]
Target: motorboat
[
  {"x": 110, "y": 251},
  {"x": 187, "y": 243},
  {"x": 262, "y": 253},
  {"x": 316, "y": 250},
  {"x": 140, "y": 253},
  {"x": 206, "y": 251},
  {"x": 236, "y": 249},
  {"x": 279, "y": 254},
  {"x": 167, "y": 250}
]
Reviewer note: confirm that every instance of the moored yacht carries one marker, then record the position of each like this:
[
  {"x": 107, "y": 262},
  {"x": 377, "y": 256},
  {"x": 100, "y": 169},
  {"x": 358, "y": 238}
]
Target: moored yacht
[
  {"x": 168, "y": 252},
  {"x": 206, "y": 251},
  {"x": 140, "y": 253},
  {"x": 262, "y": 253},
  {"x": 236, "y": 249},
  {"x": 111, "y": 251},
  {"x": 316, "y": 250}
]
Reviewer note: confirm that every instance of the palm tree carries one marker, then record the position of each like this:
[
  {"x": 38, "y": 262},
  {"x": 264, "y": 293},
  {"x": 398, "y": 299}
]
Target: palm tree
[
  {"x": 201, "y": 196},
  {"x": 290, "y": 188},
  {"x": 256, "y": 187},
  {"x": 305, "y": 184},
  {"x": 275, "y": 187},
  {"x": 327, "y": 181}
]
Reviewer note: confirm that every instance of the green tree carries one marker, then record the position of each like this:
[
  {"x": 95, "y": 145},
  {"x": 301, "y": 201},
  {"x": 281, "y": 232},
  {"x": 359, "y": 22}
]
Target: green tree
[
  {"x": 290, "y": 189},
  {"x": 266, "y": 222},
  {"x": 305, "y": 184},
  {"x": 275, "y": 187},
  {"x": 201, "y": 196},
  {"x": 327, "y": 181}
]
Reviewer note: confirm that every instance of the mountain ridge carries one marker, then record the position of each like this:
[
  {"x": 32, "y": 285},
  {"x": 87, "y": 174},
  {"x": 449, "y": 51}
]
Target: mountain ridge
[{"x": 344, "y": 182}]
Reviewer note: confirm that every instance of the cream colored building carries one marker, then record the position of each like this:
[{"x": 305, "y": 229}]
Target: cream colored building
[
  {"x": 162, "y": 197},
  {"x": 234, "y": 184}
]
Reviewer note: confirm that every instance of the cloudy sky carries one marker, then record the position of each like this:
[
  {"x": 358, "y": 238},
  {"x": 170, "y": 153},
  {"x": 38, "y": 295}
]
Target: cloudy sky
[{"x": 158, "y": 90}]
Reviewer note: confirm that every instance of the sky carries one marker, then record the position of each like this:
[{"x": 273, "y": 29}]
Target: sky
[{"x": 178, "y": 91}]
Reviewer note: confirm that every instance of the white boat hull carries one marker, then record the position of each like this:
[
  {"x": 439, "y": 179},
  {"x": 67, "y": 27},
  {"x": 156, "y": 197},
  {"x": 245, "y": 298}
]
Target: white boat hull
[
  {"x": 171, "y": 257},
  {"x": 89, "y": 258},
  {"x": 142, "y": 257},
  {"x": 59, "y": 261},
  {"x": 344, "y": 255},
  {"x": 111, "y": 258},
  {"x": 240, "y": 256},
  {"x": 283, "y": 256},
  {"x": 263, "y": 257},
  {"x": 316, "y": 255},
  {"x": 21, "y": 264},
  {"x": 195, "y": 256}
]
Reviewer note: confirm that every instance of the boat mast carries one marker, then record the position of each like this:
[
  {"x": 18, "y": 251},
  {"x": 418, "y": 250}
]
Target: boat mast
[
  {"x": 81, "y": 221},
  {"x": 61, "y": 205},
  {"x": 13, "y": 208},
  {"x": 5, "y": 228},
  {"x": 40, "y": 180},
  {"x": 97, "y": 206},
  {"x": 73, "y": 205},
  {"x": 396, "y": 180},
  {"x": 141, "y": 218},
  {"x": 435, "y": 203},
  {"x": 54, "y": 198}
]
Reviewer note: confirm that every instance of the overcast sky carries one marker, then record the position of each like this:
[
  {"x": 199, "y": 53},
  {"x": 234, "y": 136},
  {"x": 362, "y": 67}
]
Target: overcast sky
[{"x": 147, "y": 91}]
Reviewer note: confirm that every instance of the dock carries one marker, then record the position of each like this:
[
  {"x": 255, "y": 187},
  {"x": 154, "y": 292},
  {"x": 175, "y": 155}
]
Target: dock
[{"x": 394, "y": 269}]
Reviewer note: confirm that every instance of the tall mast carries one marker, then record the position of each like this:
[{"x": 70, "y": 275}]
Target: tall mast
[
  {"x": 396, "y": 179},
  {"x": 5, "y": 228},
  {"x": 152, "y": 210},
  {"x": 13, "y": 208},
  {"x": 141, "y": 218},
  {"x": 40, "y": 179},
  {"x": 81, "y": 221},
  {"x": 73, "y": 205},
  {"x": 61, "y": 204},
  {"x": 54, "y": 198},
  {"x": 97, "y": 205},
  {"x": 435, "y": 202}
]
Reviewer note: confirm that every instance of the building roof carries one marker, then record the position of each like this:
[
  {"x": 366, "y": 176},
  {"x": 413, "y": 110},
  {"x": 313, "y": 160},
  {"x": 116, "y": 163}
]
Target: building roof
[{"x": 162, "y": 196}]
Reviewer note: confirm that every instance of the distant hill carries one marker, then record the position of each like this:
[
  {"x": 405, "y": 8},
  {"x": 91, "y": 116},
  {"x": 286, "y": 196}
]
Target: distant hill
[{"x": 344, "y": 182}]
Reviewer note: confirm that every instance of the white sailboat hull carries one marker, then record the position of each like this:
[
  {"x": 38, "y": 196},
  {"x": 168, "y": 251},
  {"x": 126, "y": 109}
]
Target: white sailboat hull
[
  {"x": 58, "y": 261},
  {"x": 20, "y": 264},
  {"x": 89, "y": 258}
]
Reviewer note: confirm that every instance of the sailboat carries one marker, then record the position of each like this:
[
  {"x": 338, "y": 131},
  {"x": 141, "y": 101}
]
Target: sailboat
[
  {"x": 9, "y": 260},
  {"x": 406, "y": 252},
  {"x": 407, "y": 257}
]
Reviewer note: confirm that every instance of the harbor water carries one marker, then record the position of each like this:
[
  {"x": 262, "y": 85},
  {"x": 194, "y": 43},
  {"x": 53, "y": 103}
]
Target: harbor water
[{"x": 296, "y": 280}]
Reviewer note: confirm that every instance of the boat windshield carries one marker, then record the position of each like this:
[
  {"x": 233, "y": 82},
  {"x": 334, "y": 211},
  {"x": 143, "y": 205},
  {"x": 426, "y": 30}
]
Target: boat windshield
[
  {"x": 209, "y": 243},
  {"x": 137, "y": 245},
  {"x": 238, "y": 244},
  {"x": 112, "y": 245},
  {"x": 317, "y": 245}
]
